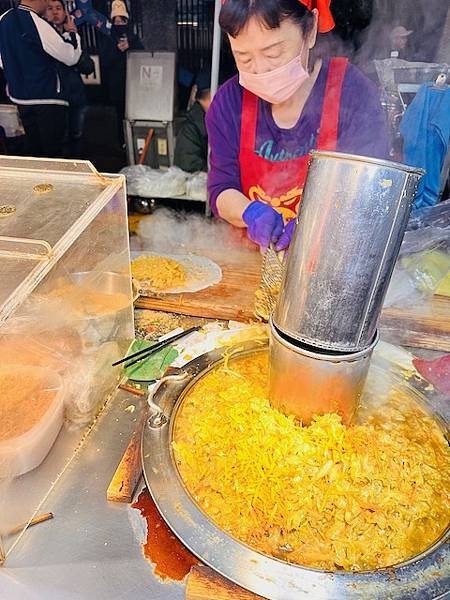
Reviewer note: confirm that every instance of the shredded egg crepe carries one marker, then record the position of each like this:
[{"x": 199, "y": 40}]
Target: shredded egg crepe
[
  {"x": 325, "y": 496},
  {"x": 160, "y": 272}
]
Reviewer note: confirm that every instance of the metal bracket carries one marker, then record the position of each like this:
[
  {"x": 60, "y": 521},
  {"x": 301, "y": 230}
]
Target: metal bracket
[{"x": 157, "y": 419}]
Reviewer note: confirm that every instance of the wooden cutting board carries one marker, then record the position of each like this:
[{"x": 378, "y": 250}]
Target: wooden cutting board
[
  {"x": 205, "y": 584},
  {"x": 425, "y": 325},
  {"x": 232, "y": 298}
]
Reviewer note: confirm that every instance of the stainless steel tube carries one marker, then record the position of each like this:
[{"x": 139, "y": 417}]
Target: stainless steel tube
[
  {"x": 305, "y": 383},
  {"x": 350, "y": 227},
  {"x": 215, "y": 60}
]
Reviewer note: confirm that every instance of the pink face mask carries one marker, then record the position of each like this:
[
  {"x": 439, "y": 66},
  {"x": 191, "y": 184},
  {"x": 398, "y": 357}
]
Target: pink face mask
[{"x": 278, "y": 85}]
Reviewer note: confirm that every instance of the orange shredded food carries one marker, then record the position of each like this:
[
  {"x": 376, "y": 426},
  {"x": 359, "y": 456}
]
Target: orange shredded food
[
  {"x": 160, "y": 272},
  {"x": 23, "y": 403},
  {"x": 325, "y": 496}
]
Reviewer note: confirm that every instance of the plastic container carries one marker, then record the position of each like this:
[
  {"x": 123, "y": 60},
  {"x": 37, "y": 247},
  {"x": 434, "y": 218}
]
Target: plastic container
[
  {"x": 100, "y": 303},
  {"x": 65, "y": 297},
  {"x": 25, "y": 452}
]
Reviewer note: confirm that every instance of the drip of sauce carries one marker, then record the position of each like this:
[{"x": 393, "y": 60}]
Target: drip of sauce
[{"x": 171, "y": 560}]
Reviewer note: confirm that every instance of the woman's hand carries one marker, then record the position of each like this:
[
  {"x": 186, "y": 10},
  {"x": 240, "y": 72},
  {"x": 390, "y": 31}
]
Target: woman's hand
[
  {"x": 123, "y": 45},
  {"x": 264, "y": 224}
]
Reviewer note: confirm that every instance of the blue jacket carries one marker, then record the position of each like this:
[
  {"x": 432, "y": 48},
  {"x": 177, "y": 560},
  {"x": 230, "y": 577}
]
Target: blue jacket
[
  {"x": 30, "y": 52},
  {"x": 425, "y": 128}
]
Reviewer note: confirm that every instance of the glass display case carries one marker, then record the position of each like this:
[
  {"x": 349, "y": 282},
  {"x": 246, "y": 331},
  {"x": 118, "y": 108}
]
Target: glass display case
[{"x": 65, "y": 315}]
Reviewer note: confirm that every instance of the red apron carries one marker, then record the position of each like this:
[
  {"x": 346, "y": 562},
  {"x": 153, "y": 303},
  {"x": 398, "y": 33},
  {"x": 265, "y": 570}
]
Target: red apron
[{"x": 280, "y": 183}]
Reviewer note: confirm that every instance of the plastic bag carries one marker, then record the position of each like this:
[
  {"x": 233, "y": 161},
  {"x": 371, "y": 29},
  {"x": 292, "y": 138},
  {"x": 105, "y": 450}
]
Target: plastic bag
[
  {"x": 402, "y": 290},
  {"x": 427, "y": 268},
  {"x": 132, "y": 174},
  {"x": 424, "y": 261},
  {"x": 88, "y": 382},
  {"x": 392, "y": 71},
  {"x": 196, "y": 186},
  {"x": 417, "y": 276},
  {"x": 427, "y": 228},
  {"x": 437, "y": 372},
  {"x": 155, "y": 183},
  {"x": 431, "y": 216}
]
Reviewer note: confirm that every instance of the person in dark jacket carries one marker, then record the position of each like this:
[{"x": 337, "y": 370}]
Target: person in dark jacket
[
  {"x": 30, "y": 54},
  {"x": 113, "y": 57},
  {"x": 191, "y": 149},
  {"x": 71, "y": 79}
]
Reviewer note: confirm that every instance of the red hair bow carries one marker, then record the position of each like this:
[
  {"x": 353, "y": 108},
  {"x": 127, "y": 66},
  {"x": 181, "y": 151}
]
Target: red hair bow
[{"x": 326, "y": 21}]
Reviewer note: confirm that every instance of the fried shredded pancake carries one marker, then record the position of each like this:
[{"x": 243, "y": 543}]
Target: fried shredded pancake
[
  {"x": 325, "y": 496},
  {"x": 160, "y": 272}
]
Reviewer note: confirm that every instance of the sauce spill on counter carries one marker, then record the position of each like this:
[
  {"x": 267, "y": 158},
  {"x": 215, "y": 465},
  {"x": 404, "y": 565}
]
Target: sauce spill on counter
[{"x": 171, "y": 560}]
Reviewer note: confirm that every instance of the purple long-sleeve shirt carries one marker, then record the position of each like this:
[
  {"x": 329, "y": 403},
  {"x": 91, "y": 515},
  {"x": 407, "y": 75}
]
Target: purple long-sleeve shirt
[{"x": 362, "y": 128}]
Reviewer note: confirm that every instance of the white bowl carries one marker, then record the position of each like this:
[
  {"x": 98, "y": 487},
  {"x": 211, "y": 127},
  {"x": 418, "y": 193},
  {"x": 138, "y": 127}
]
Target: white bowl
[{"x": 21, "y": 454}]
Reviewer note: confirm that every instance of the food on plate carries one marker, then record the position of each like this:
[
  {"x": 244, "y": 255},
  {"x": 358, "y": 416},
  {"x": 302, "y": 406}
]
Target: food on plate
[
  {"x": 325, "y": 496},
  {"x": 160, "y": 272}
]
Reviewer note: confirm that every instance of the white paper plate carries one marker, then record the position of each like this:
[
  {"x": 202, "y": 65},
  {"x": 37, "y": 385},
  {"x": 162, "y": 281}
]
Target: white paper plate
[{"x": 201, "y": 273}]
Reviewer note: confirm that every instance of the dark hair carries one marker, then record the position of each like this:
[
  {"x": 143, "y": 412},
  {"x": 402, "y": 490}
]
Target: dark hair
[
  {"x": 202, "y": 94},
  {"x": 203, "y": 82},
  {"x": 63, "y": 4},
  {"x": 235, "y": 14}
]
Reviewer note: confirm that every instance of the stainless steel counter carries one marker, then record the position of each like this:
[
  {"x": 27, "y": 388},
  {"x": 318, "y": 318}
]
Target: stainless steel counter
[{"x": 91, "y": 549}]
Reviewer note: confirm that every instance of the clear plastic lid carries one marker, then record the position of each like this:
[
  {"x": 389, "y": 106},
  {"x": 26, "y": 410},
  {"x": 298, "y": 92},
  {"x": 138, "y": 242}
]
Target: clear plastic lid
[{"x": 45, "y": 205}]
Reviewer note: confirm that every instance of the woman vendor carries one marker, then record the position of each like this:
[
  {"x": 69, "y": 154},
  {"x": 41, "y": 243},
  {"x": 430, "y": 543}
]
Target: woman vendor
[{"x": 263, "y": 122}]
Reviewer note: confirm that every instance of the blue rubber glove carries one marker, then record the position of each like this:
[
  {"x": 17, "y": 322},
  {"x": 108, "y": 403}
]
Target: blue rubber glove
[
  {"x": 264, "y": 224},
  {"x": 286, "y": 236}
]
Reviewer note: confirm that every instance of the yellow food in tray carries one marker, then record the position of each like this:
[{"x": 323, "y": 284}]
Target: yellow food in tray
[
  {"x": 160, "y": 272},
  {"x": 323, "y": 496}
]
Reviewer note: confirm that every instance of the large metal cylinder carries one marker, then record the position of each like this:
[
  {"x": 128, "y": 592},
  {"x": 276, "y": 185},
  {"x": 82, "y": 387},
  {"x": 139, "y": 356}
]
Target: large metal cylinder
[
  {"x": 304, "y": 383},
  {"x": 350, "y": 227}
]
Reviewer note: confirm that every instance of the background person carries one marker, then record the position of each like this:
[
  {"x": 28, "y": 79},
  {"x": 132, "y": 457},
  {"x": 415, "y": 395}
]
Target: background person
[
  {"x": 31, "y": 52},
  {"x": 191, "y": 149},
  {"x": 398, "y": 38},
  {"x": 71, "y": 79},
  {"x": 113, "y": 56}
]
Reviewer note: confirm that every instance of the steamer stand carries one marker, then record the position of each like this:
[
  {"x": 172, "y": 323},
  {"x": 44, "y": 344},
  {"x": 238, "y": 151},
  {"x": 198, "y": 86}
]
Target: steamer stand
[{"x": 353, "y": 216}]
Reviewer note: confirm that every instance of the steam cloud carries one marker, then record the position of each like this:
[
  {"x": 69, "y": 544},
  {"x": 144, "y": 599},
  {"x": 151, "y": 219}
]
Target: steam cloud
[{"x": 168, "y": 231}]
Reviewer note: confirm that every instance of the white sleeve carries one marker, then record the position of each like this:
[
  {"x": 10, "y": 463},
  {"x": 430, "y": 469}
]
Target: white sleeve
[
  {"x": 54, "y": 44},
  {"x": 1, "y": 17}
]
